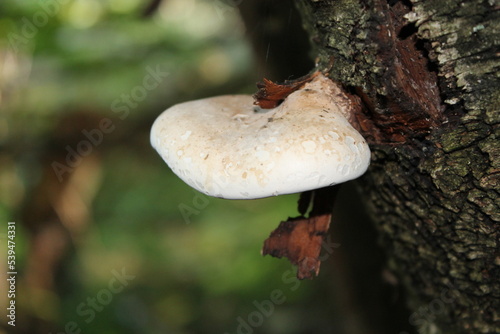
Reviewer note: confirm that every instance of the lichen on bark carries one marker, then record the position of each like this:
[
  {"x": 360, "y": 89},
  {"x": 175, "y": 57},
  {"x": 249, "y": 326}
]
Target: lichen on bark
[{"x": 338, "y": 31}]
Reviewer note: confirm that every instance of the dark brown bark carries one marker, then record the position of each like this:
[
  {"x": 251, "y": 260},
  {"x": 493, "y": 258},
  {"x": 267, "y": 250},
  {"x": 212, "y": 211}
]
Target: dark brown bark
[{"x": 427, "y": 73}]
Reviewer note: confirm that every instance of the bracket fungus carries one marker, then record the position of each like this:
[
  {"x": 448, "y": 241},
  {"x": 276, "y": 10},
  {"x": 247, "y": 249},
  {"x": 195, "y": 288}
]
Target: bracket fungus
[
  {"x": 231, "y": 147},
  {"x": 227, "y": 147}
]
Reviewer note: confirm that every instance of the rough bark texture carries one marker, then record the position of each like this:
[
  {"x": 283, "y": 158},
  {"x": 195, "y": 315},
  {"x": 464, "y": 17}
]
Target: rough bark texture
[{"x": 426, "y": 73}]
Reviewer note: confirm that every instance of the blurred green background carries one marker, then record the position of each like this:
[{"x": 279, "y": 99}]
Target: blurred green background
[{"x": 112, "y": 241}]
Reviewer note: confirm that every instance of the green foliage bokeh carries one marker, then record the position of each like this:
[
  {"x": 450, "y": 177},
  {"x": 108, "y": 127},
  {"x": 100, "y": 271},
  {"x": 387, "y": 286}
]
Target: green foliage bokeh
[{"x": 192, "y": 274}]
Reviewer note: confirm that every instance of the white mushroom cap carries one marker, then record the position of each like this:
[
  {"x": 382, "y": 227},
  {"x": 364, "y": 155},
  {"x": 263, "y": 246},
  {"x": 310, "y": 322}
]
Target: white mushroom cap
[{"x": 227, "y": 147}]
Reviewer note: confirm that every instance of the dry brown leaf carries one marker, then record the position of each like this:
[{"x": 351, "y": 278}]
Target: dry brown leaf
[
  {"x": 271, "y": 94},
  {"x": 299, "y": 240}
]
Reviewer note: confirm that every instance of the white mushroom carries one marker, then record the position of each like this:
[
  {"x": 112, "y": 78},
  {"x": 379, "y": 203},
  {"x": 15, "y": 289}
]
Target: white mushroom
[{"x": 227, "y": 147}]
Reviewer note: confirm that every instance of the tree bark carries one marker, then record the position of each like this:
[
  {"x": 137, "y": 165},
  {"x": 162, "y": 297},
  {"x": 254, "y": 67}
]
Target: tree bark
[{"x": 425, "y": 74}]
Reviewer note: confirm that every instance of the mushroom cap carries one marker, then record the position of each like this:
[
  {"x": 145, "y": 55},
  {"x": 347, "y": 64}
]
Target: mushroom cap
[{"x": 227, "y": 147}]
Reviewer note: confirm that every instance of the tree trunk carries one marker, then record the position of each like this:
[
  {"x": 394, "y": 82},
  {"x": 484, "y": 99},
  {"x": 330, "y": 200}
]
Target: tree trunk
[{"x": 425, "y": 74}]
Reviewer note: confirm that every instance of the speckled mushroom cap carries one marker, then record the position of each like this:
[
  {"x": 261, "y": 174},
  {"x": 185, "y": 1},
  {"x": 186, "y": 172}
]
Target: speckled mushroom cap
[{"x": 227, "y": 147}]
